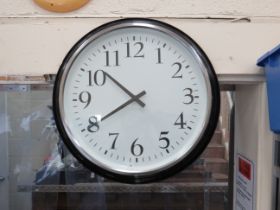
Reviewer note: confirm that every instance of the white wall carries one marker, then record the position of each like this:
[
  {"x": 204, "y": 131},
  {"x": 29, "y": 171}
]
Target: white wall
[
  {"x": 34, "y": 41},
  {"x": 37, "y": 46},
  {"x": 151, "y": 8}
]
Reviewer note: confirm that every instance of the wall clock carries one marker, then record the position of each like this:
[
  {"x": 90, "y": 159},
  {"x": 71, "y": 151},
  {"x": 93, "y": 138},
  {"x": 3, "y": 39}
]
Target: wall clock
[{"x": 136, "y": 100}]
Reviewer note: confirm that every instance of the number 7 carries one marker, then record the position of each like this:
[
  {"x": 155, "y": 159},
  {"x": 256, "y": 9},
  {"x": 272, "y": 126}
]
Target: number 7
[{"x": 115, "y": 139}]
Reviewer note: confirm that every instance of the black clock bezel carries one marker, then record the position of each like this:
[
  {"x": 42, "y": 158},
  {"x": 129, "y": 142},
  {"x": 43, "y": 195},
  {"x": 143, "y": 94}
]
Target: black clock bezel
[{"x": 190, "y": 158}]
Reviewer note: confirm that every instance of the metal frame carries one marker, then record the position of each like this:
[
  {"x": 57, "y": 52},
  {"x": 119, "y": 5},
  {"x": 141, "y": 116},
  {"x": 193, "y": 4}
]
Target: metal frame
[{"x": 24, "y": 83}]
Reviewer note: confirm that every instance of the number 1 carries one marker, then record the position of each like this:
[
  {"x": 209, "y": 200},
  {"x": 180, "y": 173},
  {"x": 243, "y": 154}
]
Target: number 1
[{"x": 159, "y": 56}]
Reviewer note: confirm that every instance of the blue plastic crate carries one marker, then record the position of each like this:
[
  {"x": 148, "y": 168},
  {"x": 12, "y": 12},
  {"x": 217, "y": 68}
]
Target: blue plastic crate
[{"x": 271, "y": 62}]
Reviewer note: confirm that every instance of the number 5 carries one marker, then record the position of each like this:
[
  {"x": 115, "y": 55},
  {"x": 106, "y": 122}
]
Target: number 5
[{"x": 161, "y": 138}]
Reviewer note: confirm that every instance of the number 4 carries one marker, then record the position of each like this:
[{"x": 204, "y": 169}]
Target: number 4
[{"x": 180, "y": 122}]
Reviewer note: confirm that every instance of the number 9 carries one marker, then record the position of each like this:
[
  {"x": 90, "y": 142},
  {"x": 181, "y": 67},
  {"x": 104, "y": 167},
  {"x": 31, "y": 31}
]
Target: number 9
[{"x": 85, "y": 98}]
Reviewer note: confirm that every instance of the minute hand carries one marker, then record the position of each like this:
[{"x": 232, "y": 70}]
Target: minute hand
[
  {"x": 124, "y": 105},
  {"x": 136, "y": 99}
]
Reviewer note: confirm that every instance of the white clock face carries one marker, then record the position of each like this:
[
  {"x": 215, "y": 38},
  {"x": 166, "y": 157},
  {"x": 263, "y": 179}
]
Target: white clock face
[{"x": 135, "y": 100}]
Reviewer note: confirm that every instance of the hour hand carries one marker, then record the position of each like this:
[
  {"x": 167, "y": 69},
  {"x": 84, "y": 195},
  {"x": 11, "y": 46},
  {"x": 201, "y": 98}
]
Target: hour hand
[{"x": 133, "y": 97}]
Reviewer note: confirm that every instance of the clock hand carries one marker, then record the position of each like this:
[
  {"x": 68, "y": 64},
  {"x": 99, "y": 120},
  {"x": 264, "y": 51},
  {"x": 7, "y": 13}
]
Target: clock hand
[
  {"x": 136, "y": 99},
  {"x": 133, "y": 99}
]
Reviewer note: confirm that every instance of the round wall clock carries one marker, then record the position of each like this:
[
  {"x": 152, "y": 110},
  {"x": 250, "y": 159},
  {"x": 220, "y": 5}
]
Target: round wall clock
[{"x": 136, "y": 100}]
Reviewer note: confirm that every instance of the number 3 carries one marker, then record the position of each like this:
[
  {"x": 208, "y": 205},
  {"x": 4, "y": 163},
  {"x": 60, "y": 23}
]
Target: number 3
[{"x": 189, "y": 95}]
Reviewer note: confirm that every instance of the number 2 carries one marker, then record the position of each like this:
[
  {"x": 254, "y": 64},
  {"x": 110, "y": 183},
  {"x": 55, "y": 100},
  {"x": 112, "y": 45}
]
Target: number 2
[{"x": 177, "y": 75}]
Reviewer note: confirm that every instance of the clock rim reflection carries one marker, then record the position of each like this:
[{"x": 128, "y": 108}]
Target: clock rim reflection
[{"x": 209, "y": 77}]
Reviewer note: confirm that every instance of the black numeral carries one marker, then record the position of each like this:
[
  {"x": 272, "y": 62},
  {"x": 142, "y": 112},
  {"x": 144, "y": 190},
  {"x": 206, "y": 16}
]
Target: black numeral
[
  {"x": 180, "y": 122},
  {"x": 115, "y": 139},
  {"x": 93, "y": 124},
  {"x": 189, "y": 96},
  {"x": 177, "y": 73},
  {"x": 90, "y": 78},
  {"x": 85, "y": 97},
  {"x": 127, "y": 50},
  {"x": 136, "y": 149},
  {"x": 159, "y": 61},
  {"x": 115, "y": 54},
  {"x": 139, "y": 53},
  {"x": 163, "y": 138},
  {"x": 99, "y": 78}
]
